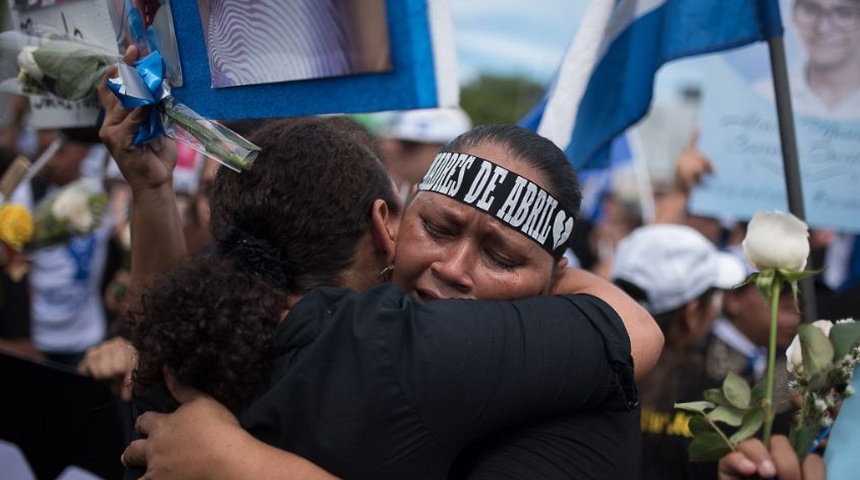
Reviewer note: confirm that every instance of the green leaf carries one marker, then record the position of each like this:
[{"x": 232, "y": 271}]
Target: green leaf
[
  {"x": 816, "y": 349},
  {"x": 758, "y": 392},
  {"x": 698, "y": 425},
  {"x": 793, "y": 277},
  {"x": 707, "y": 447},
  {"x": 802, "y": 439},
  {"x": 728, "y": 415},
  {"x": 764, "y": 282},
  {"x": 715, "y": 395},
  {"x": 696, "y": 407},
  {"x": 750, "y": 279},
  {"x": 844, "y": 337},
  {"x": 736, "y": 390},
  {"x": 751, "y": 423},
  {"x": 75, "y": 70}
]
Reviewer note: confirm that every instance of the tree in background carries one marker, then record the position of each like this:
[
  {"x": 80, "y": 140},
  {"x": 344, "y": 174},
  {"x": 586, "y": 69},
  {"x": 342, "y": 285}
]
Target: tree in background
[{"x": 500, "y": 99}]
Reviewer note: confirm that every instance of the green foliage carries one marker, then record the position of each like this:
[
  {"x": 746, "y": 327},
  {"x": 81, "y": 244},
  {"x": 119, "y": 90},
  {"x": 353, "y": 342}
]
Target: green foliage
[
  {"x": 802, "y": 438},
  {"x": 736, "y": 391},
  {"x": 845, "y": 336},
  {"x": 707, "y": 447},
  {"x": 499, "y": 99},
  {"x": 76, "y": 71},
  {"x": 816, "y": 348},
  {"x": 734, "y": 405},
  {"x": 751, "y": 423}
]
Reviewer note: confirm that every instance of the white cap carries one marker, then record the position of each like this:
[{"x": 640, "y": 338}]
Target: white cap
[
  {"x": 673, "y": 264},
  {"x": 433, "y": 125}
]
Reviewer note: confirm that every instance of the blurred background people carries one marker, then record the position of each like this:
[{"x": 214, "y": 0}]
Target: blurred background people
[
  {"x": 66, "y": 279},
  {"x": 412, "y": 140},
  {"x": 680, "y": 277}
]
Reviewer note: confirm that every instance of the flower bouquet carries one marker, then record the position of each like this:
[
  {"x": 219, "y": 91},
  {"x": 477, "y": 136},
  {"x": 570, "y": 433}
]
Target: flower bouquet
[
  {"x": 70, "y": 69},
  {"x": 822, "y": 355},
  {"x": 74, "y": 210}
]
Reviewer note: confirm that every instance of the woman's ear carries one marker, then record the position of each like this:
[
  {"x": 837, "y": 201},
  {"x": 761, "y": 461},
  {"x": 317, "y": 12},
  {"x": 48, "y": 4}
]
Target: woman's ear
[
  {"x": 384, "y": 225},
  {"x": 558, "y": 274}
]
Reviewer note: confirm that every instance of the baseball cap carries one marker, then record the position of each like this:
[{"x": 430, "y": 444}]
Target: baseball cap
[
  {"x": 432, "y": 125},
  {"x": 673, "y": 264}
]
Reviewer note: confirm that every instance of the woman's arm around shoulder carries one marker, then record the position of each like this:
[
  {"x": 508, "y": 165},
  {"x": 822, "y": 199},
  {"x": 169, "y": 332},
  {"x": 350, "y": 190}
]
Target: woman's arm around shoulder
[{"x": 646, "y": 339}]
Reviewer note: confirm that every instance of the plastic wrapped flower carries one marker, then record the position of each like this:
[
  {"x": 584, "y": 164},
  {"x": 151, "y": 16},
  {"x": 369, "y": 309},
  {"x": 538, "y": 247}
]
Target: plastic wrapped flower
[{"x": 70, "y": 69}]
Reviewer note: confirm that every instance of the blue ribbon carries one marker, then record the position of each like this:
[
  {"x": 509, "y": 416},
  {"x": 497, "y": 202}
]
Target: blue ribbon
[
  {"x": 82, "y": 250},
  {"x": 151, "y": 71}
]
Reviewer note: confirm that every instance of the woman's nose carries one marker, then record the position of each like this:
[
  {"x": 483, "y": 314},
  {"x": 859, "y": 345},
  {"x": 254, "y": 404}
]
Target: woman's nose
[{"x": 455, "y": 268}]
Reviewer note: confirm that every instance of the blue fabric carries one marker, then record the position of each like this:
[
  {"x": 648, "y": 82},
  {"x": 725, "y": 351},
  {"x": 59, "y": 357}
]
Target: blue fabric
[
  {"x": 596, "y": 183},
  {"x": 841, "y": 457},
  {"x": 410, "y": 85},
  {"x": 151, "y": 70},
  {"x": 853, "y": 275},
  {"x": 620, "y": 87}
]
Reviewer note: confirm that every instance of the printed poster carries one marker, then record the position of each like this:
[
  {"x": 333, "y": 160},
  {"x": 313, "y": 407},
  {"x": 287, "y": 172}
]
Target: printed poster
[{"x": 739, "y": 129}]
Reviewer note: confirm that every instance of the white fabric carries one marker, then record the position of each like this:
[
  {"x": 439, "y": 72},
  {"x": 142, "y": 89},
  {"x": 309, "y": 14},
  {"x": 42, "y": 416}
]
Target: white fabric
[
  {"x": 431, "y": 125},
  {"x": 13, "y": 463},
  {"x": 76, "y": 473},
  {"x": 67, "y": 314},
  {"x": 673, "y": 264},
  {"x": 559, "y": 118}
]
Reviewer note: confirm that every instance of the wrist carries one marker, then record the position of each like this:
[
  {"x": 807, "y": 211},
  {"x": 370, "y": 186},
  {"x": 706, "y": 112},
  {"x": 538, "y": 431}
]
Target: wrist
[{"x": 152, "y": 194}]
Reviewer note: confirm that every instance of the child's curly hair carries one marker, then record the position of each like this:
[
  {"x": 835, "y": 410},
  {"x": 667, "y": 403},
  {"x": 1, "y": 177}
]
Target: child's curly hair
[{"x": 211, "y": 321}]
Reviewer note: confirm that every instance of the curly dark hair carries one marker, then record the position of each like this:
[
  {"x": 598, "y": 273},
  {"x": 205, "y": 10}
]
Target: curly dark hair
[
  {"x": 211, "y": 321},
  {"x": 309, "y": 194},
  {"x": 308, "y": 200}
]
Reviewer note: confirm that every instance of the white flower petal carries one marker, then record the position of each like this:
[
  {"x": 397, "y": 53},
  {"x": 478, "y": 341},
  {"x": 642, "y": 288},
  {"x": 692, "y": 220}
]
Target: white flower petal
[{"x": 776, "y": 240}]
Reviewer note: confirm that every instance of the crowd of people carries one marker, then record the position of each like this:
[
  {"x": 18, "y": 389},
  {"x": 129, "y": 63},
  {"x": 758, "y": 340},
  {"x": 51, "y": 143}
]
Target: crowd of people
[{"x": 397, "y": 304}]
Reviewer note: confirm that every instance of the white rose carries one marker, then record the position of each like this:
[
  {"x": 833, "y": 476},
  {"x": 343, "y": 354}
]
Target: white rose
[
  {"x": 28, "y": 64},
  {"x": 776, "y": 240},
  {"x": 794, "y": 354},
  {"x": 73, "y": 204}
]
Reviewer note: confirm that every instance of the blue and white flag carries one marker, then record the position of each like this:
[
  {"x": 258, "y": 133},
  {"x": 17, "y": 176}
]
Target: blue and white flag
[{"x": 606, "y": 80}]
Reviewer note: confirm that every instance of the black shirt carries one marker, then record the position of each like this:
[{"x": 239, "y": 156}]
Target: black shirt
[
  {"x": 591, "y": 445},
  {"x": 374, "y": 385}
]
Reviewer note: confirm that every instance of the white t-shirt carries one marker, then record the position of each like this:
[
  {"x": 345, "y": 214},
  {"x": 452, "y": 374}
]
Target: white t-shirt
[{"x": 67, "y": 313}]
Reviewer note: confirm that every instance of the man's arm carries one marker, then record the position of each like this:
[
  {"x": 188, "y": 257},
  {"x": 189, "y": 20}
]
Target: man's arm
[{"x": 646, "y": 339}]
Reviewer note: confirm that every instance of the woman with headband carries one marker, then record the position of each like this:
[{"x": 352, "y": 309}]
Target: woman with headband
[{"x": 401, "y": 371}]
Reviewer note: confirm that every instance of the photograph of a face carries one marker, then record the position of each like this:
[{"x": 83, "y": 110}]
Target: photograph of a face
[
  {"x": 823, "y": 56},
  {"x": 269, "y": 41},
  {"x": 149, "y": 25}
]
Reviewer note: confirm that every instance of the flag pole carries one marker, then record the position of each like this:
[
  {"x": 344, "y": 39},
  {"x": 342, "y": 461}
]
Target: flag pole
[{"x": 790, "y": 162}]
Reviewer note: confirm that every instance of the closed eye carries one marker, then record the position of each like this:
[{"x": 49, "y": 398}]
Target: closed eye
[
  {"x": 434, "y": 230},
  {"x": 499, "y": 260}
]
